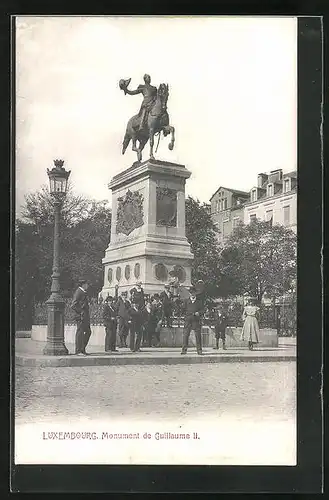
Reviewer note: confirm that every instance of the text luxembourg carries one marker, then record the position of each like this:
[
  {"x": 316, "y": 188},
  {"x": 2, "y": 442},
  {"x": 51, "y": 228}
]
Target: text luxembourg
[{"x": 54, "y": 436}]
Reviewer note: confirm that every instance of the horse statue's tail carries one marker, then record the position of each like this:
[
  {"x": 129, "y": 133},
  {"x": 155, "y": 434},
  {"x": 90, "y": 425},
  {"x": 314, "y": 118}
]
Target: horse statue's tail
[{"x": 125, "y": 143}]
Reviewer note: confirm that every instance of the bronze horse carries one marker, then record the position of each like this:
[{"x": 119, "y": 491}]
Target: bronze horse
[{"x": 157, "y": 121}]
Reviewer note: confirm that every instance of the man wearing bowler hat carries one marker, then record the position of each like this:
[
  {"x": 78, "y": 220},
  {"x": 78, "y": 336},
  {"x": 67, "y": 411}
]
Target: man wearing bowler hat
[
  {"x": 80, "y": 306},
  {"x": 137, "y": 294},
  {"x": 110, "y": 323},
  {"x": 166, "y": 298},
  {"x": 192, "y": 309}
]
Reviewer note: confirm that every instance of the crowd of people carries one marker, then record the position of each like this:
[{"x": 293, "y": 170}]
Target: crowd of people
[{"x": 141, "y": 317}]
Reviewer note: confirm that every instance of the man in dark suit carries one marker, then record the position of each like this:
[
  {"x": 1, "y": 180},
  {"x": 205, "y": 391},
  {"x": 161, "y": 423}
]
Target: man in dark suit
[
  {"x": 192, "y": 309},
  {"x": 200, "y": 290},
  {"x": 137, "y": 293},
  {"x": 220, "y": 324},
  {"x": 123, "y": 306},
  {"x": 110, "y": 323},
  {"x": 80, "y": 306},
  {"x": 136, "y": 323},
  {"x": 167, "y": 306},
  {"x": 155, "y": 320}
]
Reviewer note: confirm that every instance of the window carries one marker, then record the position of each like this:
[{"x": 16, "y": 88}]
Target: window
[
  {"x": 225, "y": 204},
  {"x": 286, "y": 215},
  {"x": 217, "y": 206},
  {"x": 286, "y": 185},
  {"x": 254, "y": 195},
  {"x": 253, "y": 218},
  {"x": 236, "y": 221},
  {"x": 269, "y": 216},
  {"x": 270, "y": 190},
  {"x": 226, "y": 229}
]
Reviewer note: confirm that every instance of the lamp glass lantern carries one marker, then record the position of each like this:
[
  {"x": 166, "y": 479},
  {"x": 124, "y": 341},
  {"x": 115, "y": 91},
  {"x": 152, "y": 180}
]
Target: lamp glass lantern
[{"x": 58, "y": 179}]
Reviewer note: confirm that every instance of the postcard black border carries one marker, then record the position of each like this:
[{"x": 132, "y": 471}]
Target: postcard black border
[{"x": 307, "y": 476}]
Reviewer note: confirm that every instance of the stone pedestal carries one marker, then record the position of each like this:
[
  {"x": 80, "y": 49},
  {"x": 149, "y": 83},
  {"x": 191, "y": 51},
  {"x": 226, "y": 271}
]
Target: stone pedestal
[{"x": 148, "y": 228}]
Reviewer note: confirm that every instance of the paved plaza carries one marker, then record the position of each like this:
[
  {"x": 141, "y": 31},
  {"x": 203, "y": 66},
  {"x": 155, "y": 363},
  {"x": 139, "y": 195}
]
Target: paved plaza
[
  {"x": 29, "y": 353},
  {"x": 249, "y": 408},
  {"x": 254, "y": 389}
]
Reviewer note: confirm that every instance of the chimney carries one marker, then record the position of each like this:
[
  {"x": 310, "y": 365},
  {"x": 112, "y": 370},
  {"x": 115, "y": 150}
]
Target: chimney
[
  {"x": 275, "y": 175},
  {"x": 262, "y": 178}
]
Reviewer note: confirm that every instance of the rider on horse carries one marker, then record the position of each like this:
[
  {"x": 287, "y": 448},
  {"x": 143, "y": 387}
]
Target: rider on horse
[
  {"x": 149, "y": 92},
  {"x": 152, "y": 118}
]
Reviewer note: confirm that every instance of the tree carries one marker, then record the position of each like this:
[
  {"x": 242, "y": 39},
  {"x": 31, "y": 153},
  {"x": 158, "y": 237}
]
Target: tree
[
  {"x": 201, "y": 234},
  {"x": 84, "y": 246},
  {"x": 85, "y": 234},
  {"x": 39, "y": 208},
  {"x": 260, "y": 259}
]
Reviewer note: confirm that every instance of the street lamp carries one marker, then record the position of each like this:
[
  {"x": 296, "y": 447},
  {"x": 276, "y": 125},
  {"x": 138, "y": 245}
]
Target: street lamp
[{"x": 55, "y": 345}]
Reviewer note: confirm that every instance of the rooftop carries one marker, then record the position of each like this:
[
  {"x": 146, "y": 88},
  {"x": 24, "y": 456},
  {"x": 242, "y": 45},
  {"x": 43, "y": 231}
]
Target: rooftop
[
  {"x": 292, "y": 173},
  {"x": 235, "y": 191}
]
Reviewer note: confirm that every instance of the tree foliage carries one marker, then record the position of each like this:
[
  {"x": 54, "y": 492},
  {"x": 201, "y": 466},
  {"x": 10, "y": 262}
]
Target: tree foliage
[
  {"x": 85, "y": 234},
  {"x": 39, "y": 208},
  {"x": 260, "y": 259},
  {"x": 201, "y": 234}
]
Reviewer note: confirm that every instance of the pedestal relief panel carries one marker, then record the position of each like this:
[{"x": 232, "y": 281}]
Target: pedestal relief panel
[
  {"x": 130, "y": 214},
  {"x": 179, "y": 273},
  {"x": 166, "y": 207},
  {"x": 137, "y": 270},
  {"x": 127, "y": 272},
  {"x": 118, "y": 273},
  {"x": 161, "y": 272}
]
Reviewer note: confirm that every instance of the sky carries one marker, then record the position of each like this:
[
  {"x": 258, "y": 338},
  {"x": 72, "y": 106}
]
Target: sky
[{"x": 232, "y": 97}]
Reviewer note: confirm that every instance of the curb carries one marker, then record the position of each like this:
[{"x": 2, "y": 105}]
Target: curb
[
  {"x": 23, "y": 334},
  {"x": 72, "y": 361}
]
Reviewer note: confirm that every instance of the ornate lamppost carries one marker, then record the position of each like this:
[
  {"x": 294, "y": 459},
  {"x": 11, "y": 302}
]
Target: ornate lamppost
[{"x": 55, "y": 345}]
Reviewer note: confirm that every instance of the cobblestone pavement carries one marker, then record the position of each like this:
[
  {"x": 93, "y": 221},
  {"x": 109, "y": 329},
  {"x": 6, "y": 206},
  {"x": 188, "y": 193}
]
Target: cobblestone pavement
[{"x": 247, "y": 390}]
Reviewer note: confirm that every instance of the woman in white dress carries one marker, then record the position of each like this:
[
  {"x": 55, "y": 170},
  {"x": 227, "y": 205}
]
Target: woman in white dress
[{"x": 250, "y": 328}]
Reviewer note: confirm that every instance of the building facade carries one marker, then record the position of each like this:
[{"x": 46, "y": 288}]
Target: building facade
[
  {"x": 274, "y": 199},
  {"x": 227, "y": 210}
]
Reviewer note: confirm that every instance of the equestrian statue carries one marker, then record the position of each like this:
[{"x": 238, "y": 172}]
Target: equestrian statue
[{"x": 152, "y": 118}]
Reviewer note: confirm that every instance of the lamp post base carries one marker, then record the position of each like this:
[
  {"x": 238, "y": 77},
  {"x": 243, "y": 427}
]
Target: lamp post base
[
  {"x": 55, "y": 345},
  {"x": 55, "y": 349}
]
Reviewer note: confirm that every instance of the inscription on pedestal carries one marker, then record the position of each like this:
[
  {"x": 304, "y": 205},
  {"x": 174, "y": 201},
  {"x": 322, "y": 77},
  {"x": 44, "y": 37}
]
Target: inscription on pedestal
[
  {"x": 130, "y": 213},
  {"x": 166, "y": 207}
]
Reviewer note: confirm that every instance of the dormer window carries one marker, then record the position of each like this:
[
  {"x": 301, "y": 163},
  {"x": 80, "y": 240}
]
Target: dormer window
[
  {"x": 253, "y": 195},
  {"x": 287, "y": 185},
  {"x": 270, "y": 189}
]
